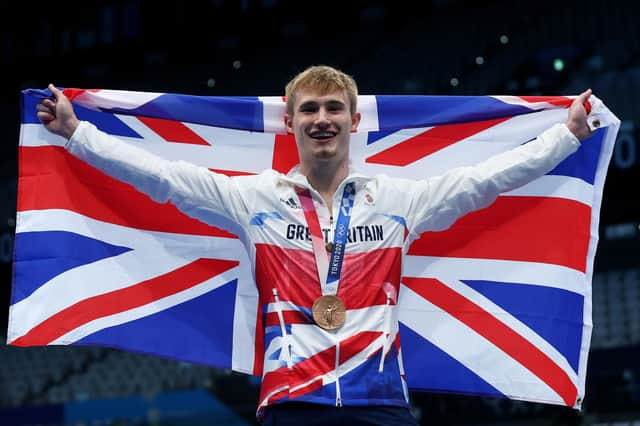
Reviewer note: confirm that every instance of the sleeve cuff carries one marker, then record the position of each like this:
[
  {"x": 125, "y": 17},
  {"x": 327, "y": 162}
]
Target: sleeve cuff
[
  {"x": 565, "y": 133},
  {"x": 77, "y": 134}
]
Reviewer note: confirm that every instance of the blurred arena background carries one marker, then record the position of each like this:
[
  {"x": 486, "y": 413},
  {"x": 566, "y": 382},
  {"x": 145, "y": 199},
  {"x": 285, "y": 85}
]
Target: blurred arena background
[{"x": 253, "y": 47}]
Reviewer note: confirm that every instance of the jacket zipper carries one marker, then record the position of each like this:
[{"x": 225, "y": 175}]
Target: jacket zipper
[
  {"x": 330, "y": 233},
  {"x": 338, "y": 393},
  {"x": 286, "y": 346},
  {"x": 329, "y": 237}
]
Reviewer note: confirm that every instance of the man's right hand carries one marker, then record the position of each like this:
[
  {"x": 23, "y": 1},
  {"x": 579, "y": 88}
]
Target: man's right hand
[{"x": 58, "y": 116}]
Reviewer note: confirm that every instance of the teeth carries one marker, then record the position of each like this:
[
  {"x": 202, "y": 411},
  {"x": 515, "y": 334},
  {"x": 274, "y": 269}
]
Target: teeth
[{"x": 319, "y": 135}]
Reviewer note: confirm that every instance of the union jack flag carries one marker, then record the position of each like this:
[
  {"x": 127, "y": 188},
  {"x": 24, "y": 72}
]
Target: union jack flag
[{"x": 507, "y": 306}]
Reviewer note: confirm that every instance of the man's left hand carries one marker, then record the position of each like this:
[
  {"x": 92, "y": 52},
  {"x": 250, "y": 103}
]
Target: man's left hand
[{"x": 577, "y": 121}]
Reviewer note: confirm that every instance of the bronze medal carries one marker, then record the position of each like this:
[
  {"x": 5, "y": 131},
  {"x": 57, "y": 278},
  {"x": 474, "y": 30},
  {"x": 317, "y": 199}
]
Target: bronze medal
[
  {"x": 329, "y": 312},
  {"x": 329, "y": 247}
]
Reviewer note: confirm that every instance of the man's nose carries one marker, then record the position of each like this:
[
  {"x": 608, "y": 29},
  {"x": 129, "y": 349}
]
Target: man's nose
[{"x": 322, "y": 118}]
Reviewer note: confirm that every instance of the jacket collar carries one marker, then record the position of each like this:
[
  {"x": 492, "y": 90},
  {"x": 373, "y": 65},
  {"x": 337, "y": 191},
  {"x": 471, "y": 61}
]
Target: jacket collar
[{"x": 296, "y": 178}]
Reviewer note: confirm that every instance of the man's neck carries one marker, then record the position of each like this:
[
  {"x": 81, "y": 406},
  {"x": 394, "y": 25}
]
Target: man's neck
[{"x": 326, "y": 179}]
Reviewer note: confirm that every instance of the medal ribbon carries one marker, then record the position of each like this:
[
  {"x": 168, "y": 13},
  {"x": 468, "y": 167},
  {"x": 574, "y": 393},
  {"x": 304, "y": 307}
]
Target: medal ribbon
[{"x": 328, "y": 268}]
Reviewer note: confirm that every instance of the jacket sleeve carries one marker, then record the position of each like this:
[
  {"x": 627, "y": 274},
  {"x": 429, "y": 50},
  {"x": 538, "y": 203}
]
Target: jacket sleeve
[
  {"x": 195, "y": 190},
  {"x": 436, "y": 203}
]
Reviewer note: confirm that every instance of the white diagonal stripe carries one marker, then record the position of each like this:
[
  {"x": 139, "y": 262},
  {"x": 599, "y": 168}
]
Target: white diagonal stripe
[
  {"x": 473, "y": 351},
  {"x": 146, "y": 310},
  {"x": 516, "y": 100},
  {"x": 106, "y": 98},
  {"x": 487, "y": 305},
  {"x": 161, "y": 253}
]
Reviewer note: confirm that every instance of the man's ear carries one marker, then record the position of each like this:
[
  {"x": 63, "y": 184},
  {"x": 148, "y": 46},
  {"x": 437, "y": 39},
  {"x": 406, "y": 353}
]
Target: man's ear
[
  {"x": 288, "y": 122},
  {"x": 355, "y": 121}
]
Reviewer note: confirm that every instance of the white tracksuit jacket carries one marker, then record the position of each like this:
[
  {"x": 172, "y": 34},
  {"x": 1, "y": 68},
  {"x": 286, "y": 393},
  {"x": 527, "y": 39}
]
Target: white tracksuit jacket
[{"x": 360, "y": 363}]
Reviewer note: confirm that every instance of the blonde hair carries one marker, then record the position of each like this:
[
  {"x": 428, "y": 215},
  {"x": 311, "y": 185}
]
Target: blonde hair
[{"x": 323, "y": 79}]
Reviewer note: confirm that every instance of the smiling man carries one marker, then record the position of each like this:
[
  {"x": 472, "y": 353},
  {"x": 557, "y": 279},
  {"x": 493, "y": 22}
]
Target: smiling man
[
  {"x": 328, "y": 266},
  {"x": 321, "y": 114}
]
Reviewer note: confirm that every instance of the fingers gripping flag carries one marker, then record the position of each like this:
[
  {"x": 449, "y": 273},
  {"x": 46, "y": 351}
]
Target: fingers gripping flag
[{"x": 499, "y": 304}]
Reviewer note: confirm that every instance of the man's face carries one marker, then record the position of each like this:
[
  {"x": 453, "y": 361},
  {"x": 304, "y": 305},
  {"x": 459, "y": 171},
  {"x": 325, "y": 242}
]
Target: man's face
[{"x": 322, "y": 125}]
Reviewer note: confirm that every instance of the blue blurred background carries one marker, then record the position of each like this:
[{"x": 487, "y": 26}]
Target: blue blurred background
[{"x": 253, "y": 47}]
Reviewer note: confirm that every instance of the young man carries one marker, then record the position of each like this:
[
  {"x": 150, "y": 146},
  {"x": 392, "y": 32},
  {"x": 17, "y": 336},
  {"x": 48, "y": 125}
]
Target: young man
[{"x": 328, "y": 264}]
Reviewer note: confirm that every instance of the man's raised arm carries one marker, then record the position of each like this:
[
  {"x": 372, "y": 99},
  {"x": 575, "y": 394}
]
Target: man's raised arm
[
  {"x": 195, "y": 190},
  {"x": 439, "y": 201}
]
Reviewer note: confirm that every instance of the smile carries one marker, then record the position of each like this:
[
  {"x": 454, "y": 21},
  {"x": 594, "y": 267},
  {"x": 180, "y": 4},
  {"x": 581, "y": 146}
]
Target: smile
[{"x": 321, "y": 135}]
